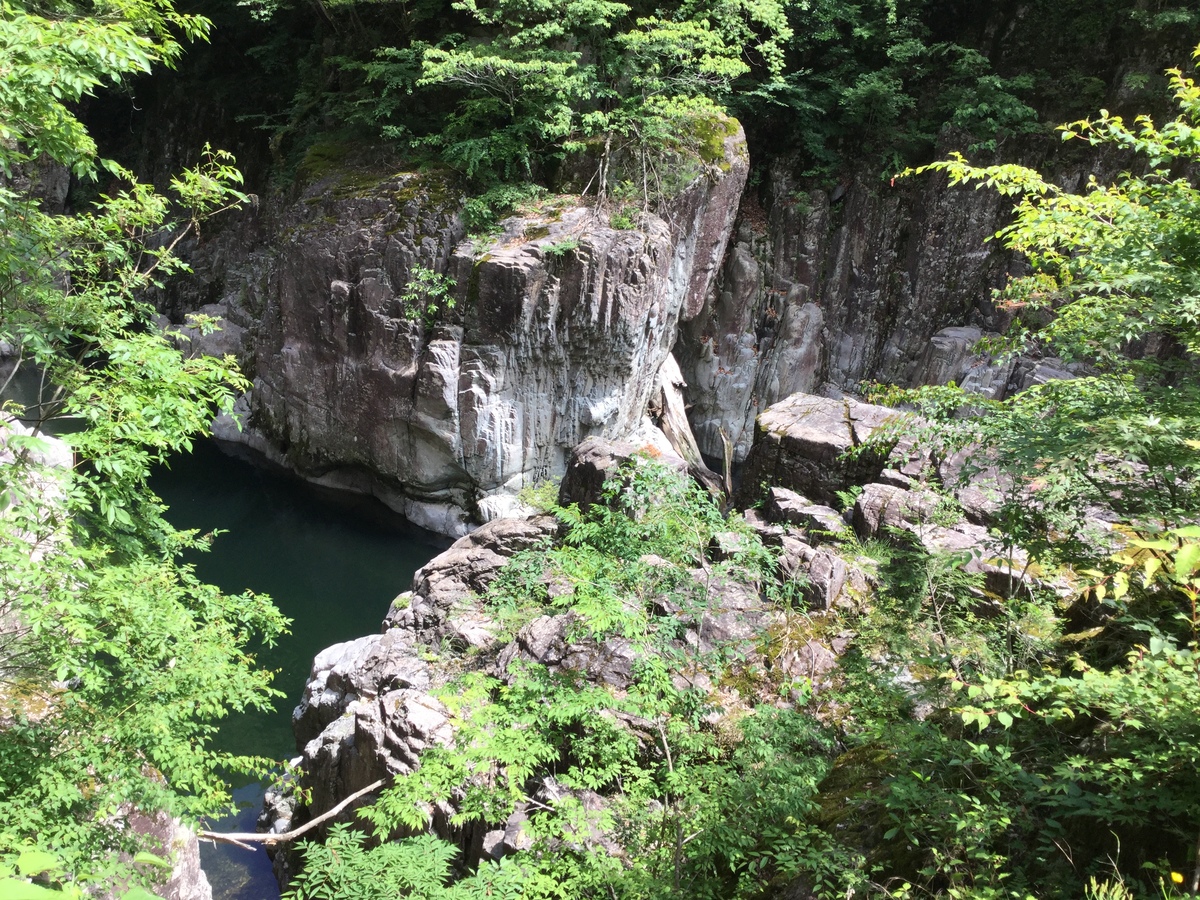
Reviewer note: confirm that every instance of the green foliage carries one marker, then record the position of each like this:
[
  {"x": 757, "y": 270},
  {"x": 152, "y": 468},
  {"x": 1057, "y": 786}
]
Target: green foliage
[
  {"x": 705, "y": 810},
  {"x": 1065, "y": 757},
  {"x": 552, "y": 78},
  {"x": 542, "y": 496},
  {"x": 427, "y": 295},
  {"x": 115, "y": 662},
  {"x": 1114, "y": 268},
  {"x": 563, "y": 93},
  {"x": 342, "y": 869},
  {"x": 622, "y": 220},
  {"x": 17, "y": 879},
  {"x": 54, "y": 58},
  {"x": 482, "y": 212}
]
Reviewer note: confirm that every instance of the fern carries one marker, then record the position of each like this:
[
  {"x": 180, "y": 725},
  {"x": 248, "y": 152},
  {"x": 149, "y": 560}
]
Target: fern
[{"x": 343, "y": 868}]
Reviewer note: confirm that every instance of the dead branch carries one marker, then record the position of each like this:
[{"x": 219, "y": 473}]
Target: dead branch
[{"x": 241, "y": 839}]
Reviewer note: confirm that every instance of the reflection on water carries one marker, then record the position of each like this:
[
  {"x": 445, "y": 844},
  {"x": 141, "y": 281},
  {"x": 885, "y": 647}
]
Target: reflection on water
[{"x": 331, "y": 561}]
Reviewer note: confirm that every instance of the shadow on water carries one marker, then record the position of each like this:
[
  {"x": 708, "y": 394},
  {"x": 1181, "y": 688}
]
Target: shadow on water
[{"x": 331, "y": 561}]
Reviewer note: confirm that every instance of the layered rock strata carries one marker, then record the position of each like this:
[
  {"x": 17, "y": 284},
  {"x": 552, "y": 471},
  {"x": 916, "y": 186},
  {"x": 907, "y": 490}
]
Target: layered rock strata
[{"x": 823, "y": 289}]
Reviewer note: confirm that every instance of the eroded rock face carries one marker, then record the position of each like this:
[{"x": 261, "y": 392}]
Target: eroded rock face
[
  {"x": 869, "y": 281},
  {"x": 558, "y": 331},
  {"x": 173, "y": 841},
  {"x": 822, "y": 290}
]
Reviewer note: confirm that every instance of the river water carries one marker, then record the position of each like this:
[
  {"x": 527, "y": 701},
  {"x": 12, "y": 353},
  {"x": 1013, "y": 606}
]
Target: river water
[{"x": 331, "y": 561}]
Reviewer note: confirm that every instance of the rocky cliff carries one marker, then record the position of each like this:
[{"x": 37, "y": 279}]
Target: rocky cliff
[
  {"x": 870, "y": 281},
  {"x": 561, "y": 324},
  {"x": 554, "y": 330}
]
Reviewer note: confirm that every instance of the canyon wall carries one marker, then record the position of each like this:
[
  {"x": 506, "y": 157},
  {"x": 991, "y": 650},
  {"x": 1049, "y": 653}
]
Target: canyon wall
[
  {"x": 553, "y": 331},
  {"x": 562, "y": 327},
  {"x": 558, "y": 327},
  {"x": 873, "y": 280}
]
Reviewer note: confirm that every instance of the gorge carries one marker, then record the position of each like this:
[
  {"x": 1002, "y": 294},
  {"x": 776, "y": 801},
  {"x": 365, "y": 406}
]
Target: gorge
[{"x": 810, "y": 525}]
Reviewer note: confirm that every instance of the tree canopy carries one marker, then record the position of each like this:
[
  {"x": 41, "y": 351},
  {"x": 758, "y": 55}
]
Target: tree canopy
[{"x": 115, "y": 662}]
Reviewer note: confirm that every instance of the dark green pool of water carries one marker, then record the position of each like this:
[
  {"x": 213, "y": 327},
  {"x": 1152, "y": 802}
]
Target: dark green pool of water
[{"x": 332, "y": 562}]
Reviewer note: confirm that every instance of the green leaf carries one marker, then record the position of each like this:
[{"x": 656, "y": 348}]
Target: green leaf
[
  {"x": 1187, "y": 560},
  {"x": 16, "y": 889},
  {"x": 146, "y": 858},
  {"x": 35, "y": 862},
  {"x": 139, "y": 893}
]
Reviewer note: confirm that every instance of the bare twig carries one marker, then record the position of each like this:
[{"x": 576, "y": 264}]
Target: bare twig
[
  {"x": 244, "y": 838},
  {"x": 13, "y": 373}
]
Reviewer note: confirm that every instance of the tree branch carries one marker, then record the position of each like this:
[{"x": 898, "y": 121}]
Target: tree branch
[{"x": 244, "y": 838}]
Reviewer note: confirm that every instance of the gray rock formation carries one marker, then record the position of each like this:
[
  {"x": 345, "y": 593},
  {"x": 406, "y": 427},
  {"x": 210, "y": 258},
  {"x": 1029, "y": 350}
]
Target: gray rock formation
[
  {"x": 801, "y": 443},
  {"x": 177, "y": 844},
  {"x": 440, "y": 606},
  {"x": 593, "y": 463},
  {"x": 788, "y": 507},
  {"x": 870, "y": 281},
  {"x": 366, "y": 713},
  {"x": 559, "y": 330},
  {"x": 822, "y": 290},
  {"x": 827, "y": 580}
]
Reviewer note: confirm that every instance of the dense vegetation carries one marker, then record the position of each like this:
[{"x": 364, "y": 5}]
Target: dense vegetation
[
  {"x": 115, "y": 661},
  {"x": 970, "y": 745},
  {"x": 1036, "y": 742},
  {"x": 520, "y": 97}
]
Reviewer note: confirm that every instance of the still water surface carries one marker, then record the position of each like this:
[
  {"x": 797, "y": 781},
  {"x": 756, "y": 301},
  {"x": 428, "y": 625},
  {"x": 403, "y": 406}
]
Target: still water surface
[{"x": 332, "y": 562}]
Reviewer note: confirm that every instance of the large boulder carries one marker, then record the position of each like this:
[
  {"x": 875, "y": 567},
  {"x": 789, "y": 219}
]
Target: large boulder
[
  {"x": 804, "y": 444},
  {"x": 818, "y": 521},
  {"x": 440, "y": 607},
  {"x": 596, "y": 461}
]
